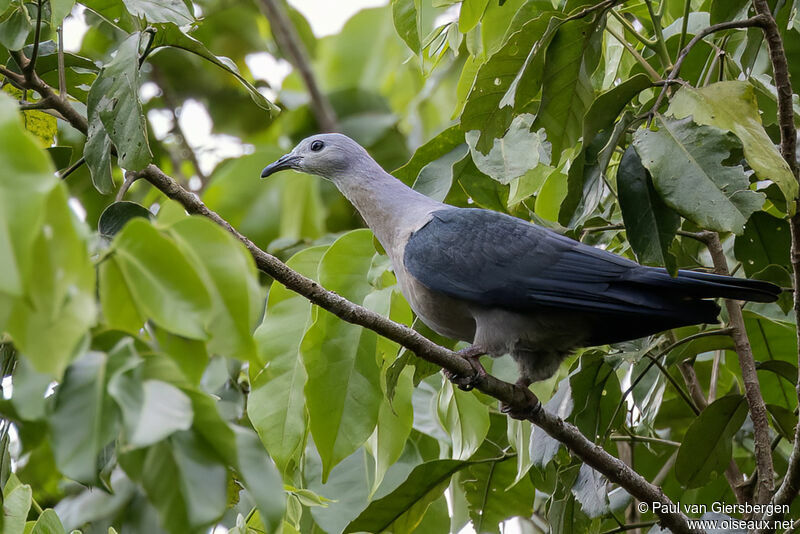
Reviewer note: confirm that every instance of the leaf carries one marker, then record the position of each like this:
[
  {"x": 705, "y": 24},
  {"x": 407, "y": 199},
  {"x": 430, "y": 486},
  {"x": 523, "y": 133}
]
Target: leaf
[
  {"x": 686, "y": 162},
  {"x": 519, "y": 436},
  {"x": 114, "y": 100},
  {"x": 567, "y": 92},
  {"x": 489, "y": 105},
  {"x": 230, "y": 276},
  {"x": 276, "y": 404},
  {"x": 785, "y": 421},
  {"x": 492, "y": 495},
  {"x": 783, "y": 369},
  {"x": 436, "y": 178},
  {"x": 119, "y": 308},
  {"x": 172, "y": 36},
  {"x": 162, "y": 282},
  {"x": 97, "y": 152},
  {"x": 605, "y": 109},
  {"x": 511, "y": 156},
  {"x": 406, "y": 22},
  {"x": 59, "y": 9},
  {"x": 649, "y": 223},
  {"x": 175, "y": 11},
  {"x": 117, "y": 214},
  {"x": 15, "y": 28},
  {"x": 48, "y": 523},
  {"x": 343, "y": 394},
  {"x": 470, "y": 14},
  {"x": 706, "y": 448},
  {"x": 590, "y": 490},
  {"x": 732, "y": 106},
  {"x": 443, "y": 143},
  {"x": 42, "y": 125},
  {"x": 16, "y": 505},
  {"x": 60, "y": 295},
  {"x": 394, "y": 426},
  {"x": 464, "y": 418},
  {"x": 765, "y": 241},
  {"x": 403, "y": 508},
  {"x": 84, "y": 418},
  {"x": 725, "y": 10}
]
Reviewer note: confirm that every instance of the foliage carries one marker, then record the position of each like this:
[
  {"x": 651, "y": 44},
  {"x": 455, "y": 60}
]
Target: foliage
[{"x": 156, "y": 382}]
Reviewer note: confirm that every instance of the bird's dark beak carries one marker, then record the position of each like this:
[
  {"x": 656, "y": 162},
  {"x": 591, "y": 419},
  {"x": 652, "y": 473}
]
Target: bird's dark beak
[{"x": 288, "y": 161}]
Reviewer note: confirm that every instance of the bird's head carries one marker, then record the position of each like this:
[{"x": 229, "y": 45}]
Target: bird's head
[{"x": 332, "y": 156}]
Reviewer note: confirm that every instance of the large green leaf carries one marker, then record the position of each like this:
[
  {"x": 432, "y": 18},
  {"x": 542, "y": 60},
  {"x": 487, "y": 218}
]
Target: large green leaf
[
  {"x": 175, "y": 11},
  {"x": 687, "y": 163},
  {"x": 489, "y": 106},
  {"x": 403, "y": 509},
  {"x": 343, "y": 391},
  {"x": 567, "y": 90},
  {"x": 514, "y": 154},
  {"x": 464, "y": 418},
  {"x": 605, "y": 109},
  {"x": 706, "y": 448},
  {"x": 162, "y": 282},
  {"x": 650, "y": 224},
  {"x": 765, "y": 241},
  {"x": 405, "y": 14},
  {"x": 492, "y": 495},
  {"x": 15, "y": 28},
  {"x": 732, "y": 106},
  {"x": 276, "y": 404},
  {"x": 84, "y": 418},
  {"x": 443, "y": 143},
  {"x": 171, "y": 35},
  {"x": 48, "y": 523},
  {"x": 114, "y": 100},
  {"x": 230, "y": 275},
  {"x": 470, "y": 14},
  {"x": 17, "y": 500}
]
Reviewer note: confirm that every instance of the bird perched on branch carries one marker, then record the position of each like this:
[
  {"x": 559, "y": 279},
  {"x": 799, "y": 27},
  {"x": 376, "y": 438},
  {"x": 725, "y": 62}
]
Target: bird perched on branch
[{"x": 503, "y": 284}]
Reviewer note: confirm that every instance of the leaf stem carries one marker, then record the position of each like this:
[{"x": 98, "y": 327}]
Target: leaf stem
[
  {"x": 687, "y": 7},
  {"x": 662, "y": 44},
  {"x": 649, "y": 43},
  {"x": 29, "y": 68}
]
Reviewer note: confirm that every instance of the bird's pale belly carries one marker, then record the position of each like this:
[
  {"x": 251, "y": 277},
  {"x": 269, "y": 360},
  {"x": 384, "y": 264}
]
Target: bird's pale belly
[{"x": 444, "y": 315}]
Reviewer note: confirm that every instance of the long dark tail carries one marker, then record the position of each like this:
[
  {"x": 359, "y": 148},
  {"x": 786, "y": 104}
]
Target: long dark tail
[{"x": 696, "y": 284}]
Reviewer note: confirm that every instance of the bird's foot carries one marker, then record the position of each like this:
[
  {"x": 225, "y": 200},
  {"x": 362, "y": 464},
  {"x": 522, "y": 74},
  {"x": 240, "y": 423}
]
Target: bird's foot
[
  {"x": 466, "y": 383},
  {"x": 526, "y": 404}
]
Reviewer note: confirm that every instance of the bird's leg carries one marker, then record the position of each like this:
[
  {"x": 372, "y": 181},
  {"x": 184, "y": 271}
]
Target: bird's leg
[
  {"x": 526, "y": 407},
  {"x": 472, "y": 355}
]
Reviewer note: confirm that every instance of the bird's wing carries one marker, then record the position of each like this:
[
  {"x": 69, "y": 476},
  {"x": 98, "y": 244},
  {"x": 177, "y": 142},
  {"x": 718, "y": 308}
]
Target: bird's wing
[{"x": 496, "y": 260}]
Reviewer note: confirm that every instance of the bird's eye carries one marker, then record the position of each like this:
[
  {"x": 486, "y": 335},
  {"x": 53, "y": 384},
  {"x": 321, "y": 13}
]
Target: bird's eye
[{"x": 316, "y": 146}]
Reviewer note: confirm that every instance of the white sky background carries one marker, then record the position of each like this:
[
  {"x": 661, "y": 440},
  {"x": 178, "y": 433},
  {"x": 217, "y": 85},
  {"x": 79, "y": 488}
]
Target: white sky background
[{"x": 325, "y": 17}]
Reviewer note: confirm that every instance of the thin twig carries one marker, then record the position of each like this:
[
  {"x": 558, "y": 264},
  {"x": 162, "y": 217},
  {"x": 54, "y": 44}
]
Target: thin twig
[
  {"x": 654, "y": 75},
  {"x": 758, "y": 20},
  {"x": 29, "y": 69},
  {"x": 72, "y": 168},
  {"x": 628, "y": 26},
  {"x": 286, "y": 36},
  {"x": 130, "y": 177},
  {"x": 647, "y": 439},
  {"x": 687, "y": 7},
  {"x": 62, "y": 72}
]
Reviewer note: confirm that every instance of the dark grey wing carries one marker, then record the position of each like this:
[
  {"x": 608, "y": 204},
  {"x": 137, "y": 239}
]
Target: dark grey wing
[{"x": 496, "y": 260}]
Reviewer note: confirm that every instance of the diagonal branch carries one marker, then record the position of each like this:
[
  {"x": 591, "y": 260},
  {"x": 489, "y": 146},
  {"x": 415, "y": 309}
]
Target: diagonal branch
[
  {"x": 790, "y": 486},
  {"x": 285, "y": 35},
  {"x": 519, "y": 399}
]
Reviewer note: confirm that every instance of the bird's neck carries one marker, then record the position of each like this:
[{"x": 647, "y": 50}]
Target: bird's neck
[{"x": 389, "y": 207}]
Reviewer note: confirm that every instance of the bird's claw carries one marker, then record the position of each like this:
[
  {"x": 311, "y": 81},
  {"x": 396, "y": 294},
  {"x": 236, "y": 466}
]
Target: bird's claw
[
  {"x": 524, "y": 408},
  {"x": 467, "y": 383}
]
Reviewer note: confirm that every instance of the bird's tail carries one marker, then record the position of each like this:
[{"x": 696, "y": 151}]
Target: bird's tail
[{"x": 696, "y": 284}]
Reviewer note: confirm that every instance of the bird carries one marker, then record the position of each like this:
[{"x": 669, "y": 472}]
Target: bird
[{"x": 505, "y": 285}]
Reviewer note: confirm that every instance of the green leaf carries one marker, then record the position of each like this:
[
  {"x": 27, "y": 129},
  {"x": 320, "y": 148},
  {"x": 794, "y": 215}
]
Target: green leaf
[
  {"x": 489, "y": 105},
  {"x": 117, "y": 214},
  {"x": 406, "y": 22},
  {"x": 15, "y": 29},
  {"x": 766, "y": 241},
  {"x": 511, "y": 156},
  {"x": 464, "y": 418},
  {"x": 590, "y": 490},
  {"x": 114, "y": 100},
  {"x": 261, "y": 478},
  {"x": 175, "y": 11},
  {"x": 48, "y": 523},
  {"x": 785, "y": 421},
  {"x": 783, "y": 369},
  {"x": 471, "y": 13},
  {"x": 229, "y": 274},
  {"x": 607, "y": 106},
  {"x": 16, "y": 504},
  {"x": 492, "y": 495},
  {"x": 59, "y": 9},
  {"x": 649, "y": 223},
  {"x": 567, "y": 91},
  {"x": 162, "y": 282},
  {"x": 60, "y": 297},
  {"x": 61, "y": 156},
  {"x": 519, "y": 436},
  {"x": 394, "y": 426},
  {"x": 172, "y": 36},
  {"x": 436, "y": 178},
  {"x": 84, "y": 418},
  {"x": 686, "y": 162},
  {"x": 97, "y": 152},
  {"x": 725, "y": 10},
  {"x": 343, "y": 394},
  {"x": 443, "y": 143},
  {"x": 42, "y": 125},
  {"x": 403, "y": 509},
  {"x": 706, "y": 448},
  {"x": 119, "y": 308},
  {"x": 276, "y": 405},
  {"x": 732, "y": 106}
]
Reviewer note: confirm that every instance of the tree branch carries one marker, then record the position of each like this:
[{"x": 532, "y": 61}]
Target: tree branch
[
  {"x": 520, "y": 399},
  {"x": 285, "y": 35},
  {"x": 755, "y": 401},
  {"x": 790, "y": 485}
]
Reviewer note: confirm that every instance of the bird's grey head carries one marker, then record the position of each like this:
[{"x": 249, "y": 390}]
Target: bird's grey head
[{"x": 332, "y": 156}]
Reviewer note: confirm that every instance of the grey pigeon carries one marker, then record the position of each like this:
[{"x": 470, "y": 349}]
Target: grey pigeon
[{"x": 503, "y": 284}]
